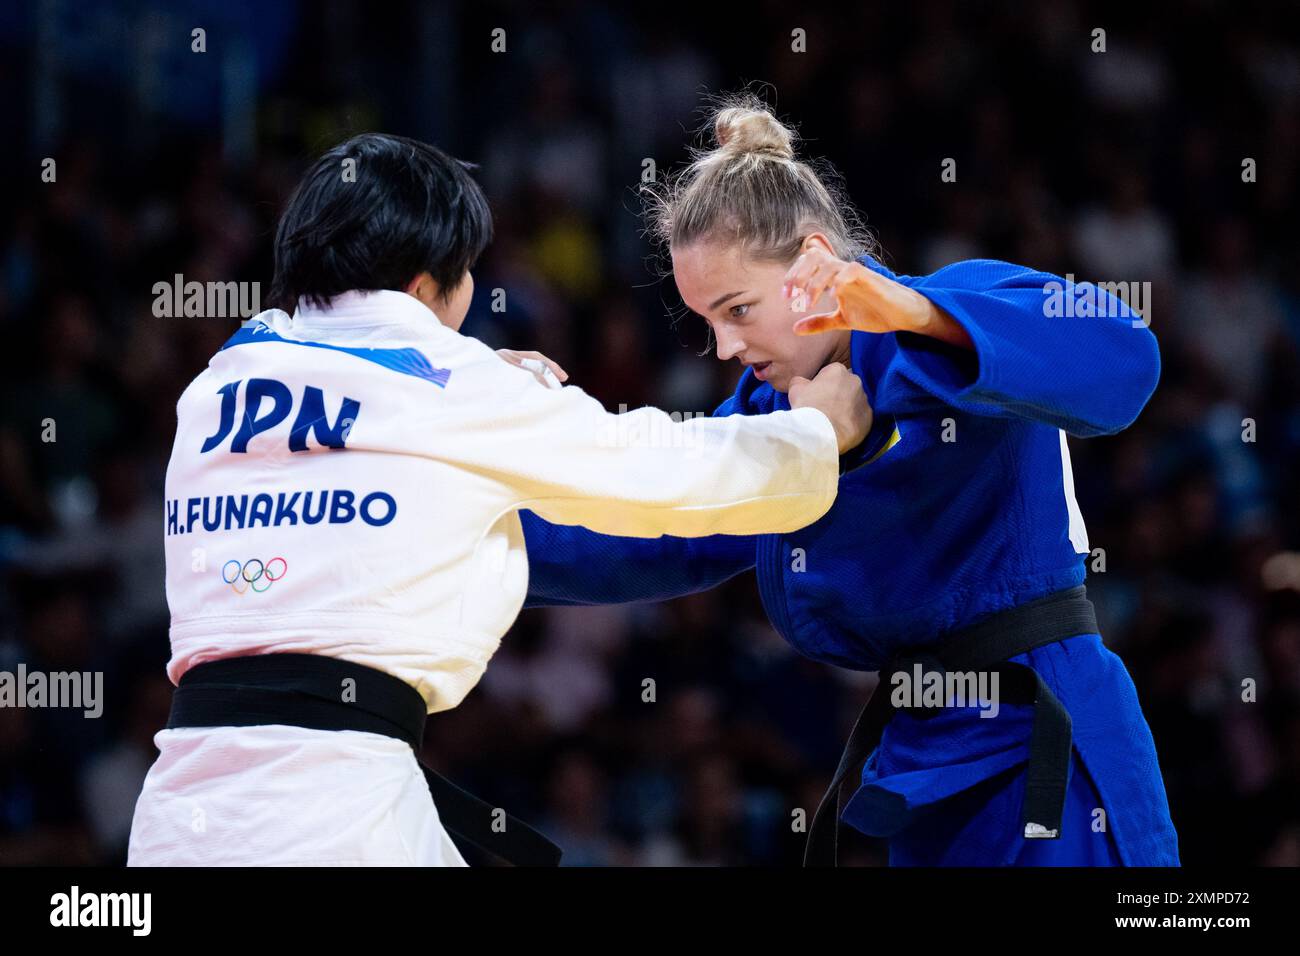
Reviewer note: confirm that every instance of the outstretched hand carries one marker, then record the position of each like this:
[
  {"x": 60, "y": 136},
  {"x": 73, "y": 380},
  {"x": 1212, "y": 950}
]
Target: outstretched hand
[{"x": 865, "y": 301}]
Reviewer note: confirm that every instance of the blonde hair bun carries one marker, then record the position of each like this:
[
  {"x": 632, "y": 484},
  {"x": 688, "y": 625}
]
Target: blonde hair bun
[
  {"x": 748, "y": 129},
  {"x": 748, "y": 188}
]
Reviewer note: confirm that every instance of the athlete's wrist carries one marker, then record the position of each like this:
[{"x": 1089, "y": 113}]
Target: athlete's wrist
[{"x": 922, "y": 317}]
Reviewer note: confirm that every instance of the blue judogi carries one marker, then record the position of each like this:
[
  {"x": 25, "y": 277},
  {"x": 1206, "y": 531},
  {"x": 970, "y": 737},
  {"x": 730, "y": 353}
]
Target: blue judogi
[{"x": 960, "y": 504}]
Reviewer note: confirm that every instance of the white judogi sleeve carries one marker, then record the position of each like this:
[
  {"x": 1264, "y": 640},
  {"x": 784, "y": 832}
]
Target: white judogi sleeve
[
  {"x": 641, "y": 473},
  {"x": 347, "y": 482}
]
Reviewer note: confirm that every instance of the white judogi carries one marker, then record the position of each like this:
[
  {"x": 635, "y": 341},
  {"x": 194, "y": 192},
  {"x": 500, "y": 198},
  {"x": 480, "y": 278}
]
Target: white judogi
[{"x": 345, "y": 482}]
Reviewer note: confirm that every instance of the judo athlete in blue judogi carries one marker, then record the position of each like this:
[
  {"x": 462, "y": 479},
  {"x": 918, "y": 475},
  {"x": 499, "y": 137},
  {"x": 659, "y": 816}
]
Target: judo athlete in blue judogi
[{"x": 955, "y": 544}]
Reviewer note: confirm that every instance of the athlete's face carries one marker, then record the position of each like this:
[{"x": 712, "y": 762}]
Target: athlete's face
[{"x": 740, "y": 298}]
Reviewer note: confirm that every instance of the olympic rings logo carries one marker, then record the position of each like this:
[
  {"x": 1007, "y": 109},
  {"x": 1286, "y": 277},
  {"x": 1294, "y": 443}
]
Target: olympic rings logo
[{"x": 253, "y": 572}]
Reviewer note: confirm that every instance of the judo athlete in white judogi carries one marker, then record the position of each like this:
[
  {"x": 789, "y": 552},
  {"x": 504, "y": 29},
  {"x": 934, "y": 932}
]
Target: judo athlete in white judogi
[{"x": 345, "y": 484}]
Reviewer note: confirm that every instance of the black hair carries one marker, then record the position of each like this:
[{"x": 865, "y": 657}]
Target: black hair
[{"x": 403, "y": 207}]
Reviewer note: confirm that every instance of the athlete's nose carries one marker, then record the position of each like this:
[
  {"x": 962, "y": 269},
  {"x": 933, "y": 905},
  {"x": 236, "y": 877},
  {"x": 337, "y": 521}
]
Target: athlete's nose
[{"x": 729, "y": 345}]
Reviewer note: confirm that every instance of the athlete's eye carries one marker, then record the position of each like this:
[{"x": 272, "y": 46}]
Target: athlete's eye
[{"x": 741, "y": 314}]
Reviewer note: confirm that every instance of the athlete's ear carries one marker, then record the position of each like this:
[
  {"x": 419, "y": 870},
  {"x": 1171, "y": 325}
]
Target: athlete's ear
[
  {"x": 424, "y": 288},
  {"x": 816, "y": 240}
]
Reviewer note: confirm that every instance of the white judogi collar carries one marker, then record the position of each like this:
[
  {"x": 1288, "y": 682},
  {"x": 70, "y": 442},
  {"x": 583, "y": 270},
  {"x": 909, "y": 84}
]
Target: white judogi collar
[{"x": 365, "y": 309}]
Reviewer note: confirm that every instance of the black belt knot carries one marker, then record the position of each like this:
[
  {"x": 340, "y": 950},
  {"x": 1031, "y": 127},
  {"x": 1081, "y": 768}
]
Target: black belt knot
[{"x": 985, "y": 646}]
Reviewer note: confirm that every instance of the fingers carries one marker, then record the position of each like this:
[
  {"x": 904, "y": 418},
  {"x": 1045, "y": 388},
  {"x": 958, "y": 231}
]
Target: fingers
[
  {"x": 822, "y": 322},
  {"x": 802, "y": 268},
  {"x": 554, "y": 366},
  {"x": 517, "y": 358},
  {"x": 832, "y": 370},
  {"x": 825, "y": 276},
  {"x": 808, "y": 278}
]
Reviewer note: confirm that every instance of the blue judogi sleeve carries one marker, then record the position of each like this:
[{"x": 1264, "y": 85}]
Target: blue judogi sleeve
[
  {"x": 569, "y": 565},
  {"x": 1087, "y": 367}
]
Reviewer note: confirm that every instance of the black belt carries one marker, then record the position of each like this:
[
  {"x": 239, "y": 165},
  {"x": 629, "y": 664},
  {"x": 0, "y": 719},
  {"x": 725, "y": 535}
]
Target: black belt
[
  {"x": 325, "y": 693},
  {"x": 985, "y": 646}
]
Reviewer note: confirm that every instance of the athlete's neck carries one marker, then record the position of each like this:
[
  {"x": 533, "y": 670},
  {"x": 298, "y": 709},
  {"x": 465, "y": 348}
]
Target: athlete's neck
[{"x": 843, "y": 351}]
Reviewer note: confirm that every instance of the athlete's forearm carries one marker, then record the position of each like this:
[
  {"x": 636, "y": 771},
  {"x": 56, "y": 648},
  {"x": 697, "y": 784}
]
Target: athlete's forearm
[
  {"x": 923, "y": 317},
  {"x": 570, "y": 565}
]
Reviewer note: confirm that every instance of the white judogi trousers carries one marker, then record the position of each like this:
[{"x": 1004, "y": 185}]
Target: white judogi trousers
[{"x": 276, "y": 795}]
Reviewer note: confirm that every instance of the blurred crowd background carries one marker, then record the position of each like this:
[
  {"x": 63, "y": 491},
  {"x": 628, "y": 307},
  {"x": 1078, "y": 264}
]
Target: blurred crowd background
[{"x": 1117, "y": 166}]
